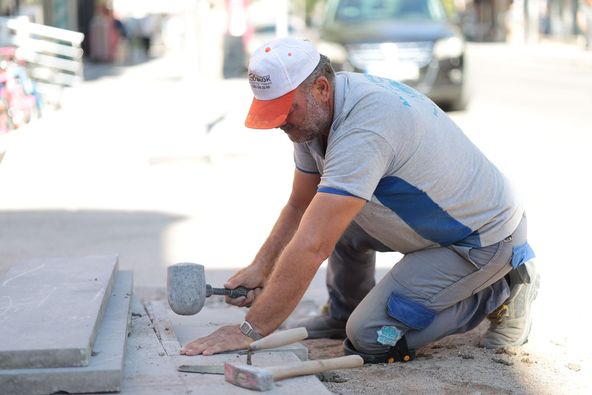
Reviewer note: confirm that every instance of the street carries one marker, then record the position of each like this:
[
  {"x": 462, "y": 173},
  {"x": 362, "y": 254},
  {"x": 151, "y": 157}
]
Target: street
[{"x": 154, "y": 165}]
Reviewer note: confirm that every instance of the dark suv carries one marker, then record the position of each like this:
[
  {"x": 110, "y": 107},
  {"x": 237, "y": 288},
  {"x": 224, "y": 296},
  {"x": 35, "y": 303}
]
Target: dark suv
[{"x": 411, "y": 41}]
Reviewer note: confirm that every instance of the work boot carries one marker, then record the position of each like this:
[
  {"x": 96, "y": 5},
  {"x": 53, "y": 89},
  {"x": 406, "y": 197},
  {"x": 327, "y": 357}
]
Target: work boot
[
  {"x": 323, "y": 326},
  {"x": 511, "y": 322}
]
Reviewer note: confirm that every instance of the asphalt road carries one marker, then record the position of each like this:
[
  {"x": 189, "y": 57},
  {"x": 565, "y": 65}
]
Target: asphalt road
[{"x": 155, "y": 165}]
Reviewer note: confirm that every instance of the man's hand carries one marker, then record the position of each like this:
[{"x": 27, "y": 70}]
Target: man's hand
[
  {"x": 249, "y": 277},
  {"x": 226, "y": 338}
]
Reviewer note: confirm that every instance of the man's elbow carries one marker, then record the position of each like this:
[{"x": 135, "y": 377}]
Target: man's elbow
[{"x": 315, "y": 248}]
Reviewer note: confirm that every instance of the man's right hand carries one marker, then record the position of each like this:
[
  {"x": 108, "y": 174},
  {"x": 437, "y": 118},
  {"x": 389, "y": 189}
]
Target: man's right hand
[{"x": 249, "y": 277}]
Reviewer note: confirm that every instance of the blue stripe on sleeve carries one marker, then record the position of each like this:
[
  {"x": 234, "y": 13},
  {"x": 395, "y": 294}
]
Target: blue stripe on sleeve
[
  {"x": 334, "y": 191},
  {"x": 421, "y": 213}
]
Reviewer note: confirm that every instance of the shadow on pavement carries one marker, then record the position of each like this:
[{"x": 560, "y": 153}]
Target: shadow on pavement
[{"x": 136, "y": 236}]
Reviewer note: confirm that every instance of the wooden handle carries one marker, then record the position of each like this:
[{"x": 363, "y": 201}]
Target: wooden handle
[
  {"x": 312, "y": 367},
  {"x": 279, "y": 339}
]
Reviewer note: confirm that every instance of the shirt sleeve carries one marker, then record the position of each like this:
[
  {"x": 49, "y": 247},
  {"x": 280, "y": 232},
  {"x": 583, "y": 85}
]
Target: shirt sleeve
[
  {"x": 304, "y": 160},
  {"x": 355, "y": 163}
]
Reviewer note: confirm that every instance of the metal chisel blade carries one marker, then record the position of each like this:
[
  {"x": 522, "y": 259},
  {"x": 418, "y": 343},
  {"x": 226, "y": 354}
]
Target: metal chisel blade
[{"x": 204, "y": 369}]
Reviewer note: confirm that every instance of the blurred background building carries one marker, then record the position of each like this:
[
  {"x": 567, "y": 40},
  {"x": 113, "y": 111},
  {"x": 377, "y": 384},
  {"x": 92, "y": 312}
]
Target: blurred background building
[
  {"x": 502, "y": 20},
  {"x": 212, "y": 39},
  {"x": 481, "y": 20}
]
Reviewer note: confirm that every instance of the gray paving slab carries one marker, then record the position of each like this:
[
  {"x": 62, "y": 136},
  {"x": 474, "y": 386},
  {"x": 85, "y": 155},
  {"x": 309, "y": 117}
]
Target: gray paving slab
[
  {"x": 148, "y": 370},
  {"x": 217, "y": 313},
  {"x": 104, "y": 372},
  {"x": 51, "y": 308},
  {"x": 163, "y": 327}
]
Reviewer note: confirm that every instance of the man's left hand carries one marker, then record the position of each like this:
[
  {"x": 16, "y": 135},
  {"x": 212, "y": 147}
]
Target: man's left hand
[{"x": 226, "y": 338}]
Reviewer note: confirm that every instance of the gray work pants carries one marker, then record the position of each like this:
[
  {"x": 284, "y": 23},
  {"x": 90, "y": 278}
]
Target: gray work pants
[{"x": 456, "y": 287}]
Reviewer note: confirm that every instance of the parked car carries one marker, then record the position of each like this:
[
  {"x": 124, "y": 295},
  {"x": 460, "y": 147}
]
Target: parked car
[{"x": 412, "y": 41}]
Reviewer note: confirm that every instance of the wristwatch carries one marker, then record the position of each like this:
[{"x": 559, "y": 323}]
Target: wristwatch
[{"x": 247, "y": 329}]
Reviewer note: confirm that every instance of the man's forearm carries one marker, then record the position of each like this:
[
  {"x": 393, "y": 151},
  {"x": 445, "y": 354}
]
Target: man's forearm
[
  {"x": 324, "y": 222},
  {"x": 281, "y": 234},
  {"x": 293, "y": 273}
]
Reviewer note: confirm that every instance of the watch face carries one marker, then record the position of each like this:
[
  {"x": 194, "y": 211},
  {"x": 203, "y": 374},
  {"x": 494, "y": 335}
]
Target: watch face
[{"x": 247, "y": 330}]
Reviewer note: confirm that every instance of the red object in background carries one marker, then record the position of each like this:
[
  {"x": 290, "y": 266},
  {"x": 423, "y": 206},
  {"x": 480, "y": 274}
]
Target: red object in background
[
  {"x": 17, "y": 105},
  {"x": 237, "y": 23},
  {"x": 104, "y": 37}
]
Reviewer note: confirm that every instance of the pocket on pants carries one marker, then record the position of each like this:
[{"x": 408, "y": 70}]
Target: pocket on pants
[
  {"x": 493, "y": 261},
  {"x": 490, "y": 264},
  {"x": 414, "y": 315},
  {"x": 479, "y": 256}
]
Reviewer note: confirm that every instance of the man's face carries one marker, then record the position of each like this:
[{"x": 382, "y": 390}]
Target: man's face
[{"x": 308, "y": 118}]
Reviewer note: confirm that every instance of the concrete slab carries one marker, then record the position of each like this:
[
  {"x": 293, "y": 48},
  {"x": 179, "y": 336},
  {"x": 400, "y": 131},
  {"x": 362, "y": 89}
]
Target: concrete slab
[
  {"x": 50, "y": 310},
  {"x": 105, "y": 370},
  {"x": 149, "y": 370},
  {"x": 217, "y": 313},
  {"x": 163, "y": 327}
]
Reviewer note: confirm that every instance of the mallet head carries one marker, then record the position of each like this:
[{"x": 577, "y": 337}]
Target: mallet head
[
  {"x": 186, "y": 288},
  {"x": 248, "y": 376}
]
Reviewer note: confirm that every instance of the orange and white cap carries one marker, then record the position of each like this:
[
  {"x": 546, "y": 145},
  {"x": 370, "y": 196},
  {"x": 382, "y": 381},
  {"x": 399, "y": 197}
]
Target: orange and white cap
[{"x": 276, "y": 69}]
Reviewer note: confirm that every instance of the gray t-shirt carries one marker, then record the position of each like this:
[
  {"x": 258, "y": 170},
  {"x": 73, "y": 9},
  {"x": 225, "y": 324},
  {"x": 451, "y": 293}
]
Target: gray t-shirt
[{"x": 426, "y": 183}]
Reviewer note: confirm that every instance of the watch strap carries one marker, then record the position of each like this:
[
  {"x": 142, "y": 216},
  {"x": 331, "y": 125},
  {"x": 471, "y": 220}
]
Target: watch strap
[{"x": 247, "y": 329}]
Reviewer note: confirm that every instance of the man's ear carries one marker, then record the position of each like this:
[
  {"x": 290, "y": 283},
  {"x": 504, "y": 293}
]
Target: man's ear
[{"x": 322, "y": 89}]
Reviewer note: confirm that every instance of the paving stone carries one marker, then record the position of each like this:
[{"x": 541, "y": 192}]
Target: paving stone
[
  {"x": 105, "y": 370},
  {"x": 51, "y": 308},
  {"x": 215, "y": 314},
  {"x": 148, "y": 370},
  {"x": 163, "y": 327}
]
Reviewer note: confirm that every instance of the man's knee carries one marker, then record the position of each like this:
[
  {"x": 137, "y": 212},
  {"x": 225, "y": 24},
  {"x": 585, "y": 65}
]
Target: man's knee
[
  {"x": 387, "y": 344},
  {"x": 356, "y": 241},
  {"x": 362, "y": 335},
  {"x": 350, "y": 245},
  {"x": 368, "y": 338},
  {"x": 370, "y": 334}
]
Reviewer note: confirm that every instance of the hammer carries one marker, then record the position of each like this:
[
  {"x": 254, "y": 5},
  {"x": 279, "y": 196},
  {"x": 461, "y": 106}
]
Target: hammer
[
  {"x": 257, "y": 378},
  {"x": 187, "y": 289}
]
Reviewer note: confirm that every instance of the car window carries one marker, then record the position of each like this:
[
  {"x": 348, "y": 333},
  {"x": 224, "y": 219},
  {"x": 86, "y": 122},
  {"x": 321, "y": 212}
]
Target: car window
[{"x": 352, "y": 11}]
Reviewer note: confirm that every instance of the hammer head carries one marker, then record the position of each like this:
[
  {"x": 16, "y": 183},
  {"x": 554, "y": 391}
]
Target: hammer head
[
  {"x": 186, "y": 288},
  {"x": 248, "y": 376}
]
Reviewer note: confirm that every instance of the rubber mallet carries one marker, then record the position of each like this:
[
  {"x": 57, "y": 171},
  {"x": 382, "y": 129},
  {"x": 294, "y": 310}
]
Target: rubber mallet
[{"x": 187, "y": 289}]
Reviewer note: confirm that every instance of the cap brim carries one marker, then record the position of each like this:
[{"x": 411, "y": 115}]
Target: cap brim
[{"x": 269, "y": 114}]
